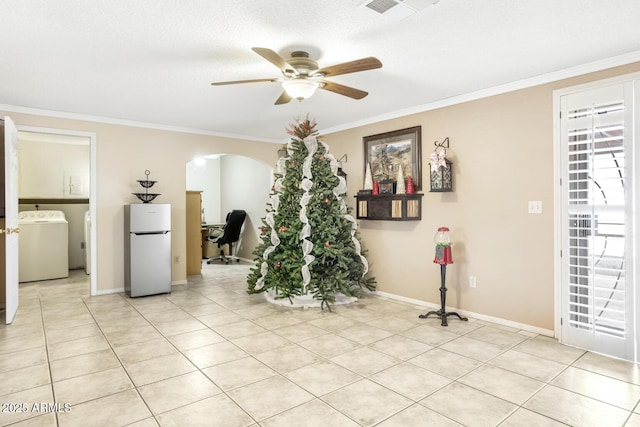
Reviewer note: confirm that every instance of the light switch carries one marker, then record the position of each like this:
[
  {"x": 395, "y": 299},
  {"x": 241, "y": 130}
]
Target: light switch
[
  {"x": 535, "y": 206},
  {"x": 75, "y": 185}
]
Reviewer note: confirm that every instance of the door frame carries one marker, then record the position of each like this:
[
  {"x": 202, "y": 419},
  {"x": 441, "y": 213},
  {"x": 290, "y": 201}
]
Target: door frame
[
  {"x": 557, "y": 189},
  {"x": 93, "y": 277},
  {"x": 11, "y": 291}
]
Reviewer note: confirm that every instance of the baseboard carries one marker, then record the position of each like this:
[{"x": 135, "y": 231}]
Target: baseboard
[
  {"x": 234, "y": 261},
  {"x": 479, "y": 316},
  {"x": 109, "y": 291},
  {"x": 120, "y": 290}
]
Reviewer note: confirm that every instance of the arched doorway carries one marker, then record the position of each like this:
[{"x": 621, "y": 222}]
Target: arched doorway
[{"x": 227, "y": 182}]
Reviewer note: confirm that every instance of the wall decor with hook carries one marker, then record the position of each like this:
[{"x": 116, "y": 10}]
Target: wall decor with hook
[{"x": 441, "y": 168}]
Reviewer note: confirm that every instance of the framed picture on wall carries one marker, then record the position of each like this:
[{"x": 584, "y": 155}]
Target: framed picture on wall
[
  {"x": 387, "y": 152},
  {"x": 387, "y": 186}
]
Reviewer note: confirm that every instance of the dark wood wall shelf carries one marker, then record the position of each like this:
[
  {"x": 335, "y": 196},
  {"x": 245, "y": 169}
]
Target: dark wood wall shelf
[
  {"x": 43, "y": 201},
  {"x": 389, "y": 207}
]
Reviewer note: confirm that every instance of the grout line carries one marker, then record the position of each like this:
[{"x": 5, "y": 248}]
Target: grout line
[
  {"x": 197, "y": 368},
  {"x": 121, "y": 364},
  {"x": 252, "y": 318},
  {"x": 46, "y": 348}
]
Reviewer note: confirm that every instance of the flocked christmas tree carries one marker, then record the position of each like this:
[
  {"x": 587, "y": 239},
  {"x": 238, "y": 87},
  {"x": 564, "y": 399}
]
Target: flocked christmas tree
[{"x": 309, "y": 241}]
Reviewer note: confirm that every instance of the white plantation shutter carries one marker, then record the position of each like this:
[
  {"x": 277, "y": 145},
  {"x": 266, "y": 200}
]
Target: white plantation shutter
[{"x": 598, "y": 289}]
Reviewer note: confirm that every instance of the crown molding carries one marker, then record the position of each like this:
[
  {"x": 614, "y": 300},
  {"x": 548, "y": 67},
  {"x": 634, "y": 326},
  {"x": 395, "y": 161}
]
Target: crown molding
[
  {"x": 566, "y": 73},
  {"x": 590, "y": 67},
  {"x": 132, "y": 123}
]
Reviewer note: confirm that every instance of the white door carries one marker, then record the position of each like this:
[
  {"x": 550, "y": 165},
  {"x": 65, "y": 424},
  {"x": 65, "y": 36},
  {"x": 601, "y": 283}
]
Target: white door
[
  {"x": 596, "y": 220},
  {"x": 11, "y": 216}
]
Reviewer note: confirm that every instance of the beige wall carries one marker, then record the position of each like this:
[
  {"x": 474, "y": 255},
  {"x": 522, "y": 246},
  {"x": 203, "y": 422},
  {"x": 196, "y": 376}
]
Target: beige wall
[
  {"x": 245, "y": 184},
  {"x": 502, "y": 153},
  {"x": 502, "y": 149},
  {"x": 206, "y": 178},
  {"x": 123, "y": 154}
]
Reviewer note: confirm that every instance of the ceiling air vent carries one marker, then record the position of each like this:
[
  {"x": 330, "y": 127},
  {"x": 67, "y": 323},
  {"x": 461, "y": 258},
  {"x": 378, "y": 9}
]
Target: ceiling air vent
[
  {"x": 397, "y": 10},
  {"x": 381, "y": 6}
]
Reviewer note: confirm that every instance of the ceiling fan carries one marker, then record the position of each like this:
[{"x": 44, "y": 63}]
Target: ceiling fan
[{"x": 302, "y": 75}]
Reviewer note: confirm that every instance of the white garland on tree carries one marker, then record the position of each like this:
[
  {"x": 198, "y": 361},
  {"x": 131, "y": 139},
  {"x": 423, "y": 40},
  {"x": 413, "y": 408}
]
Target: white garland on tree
[
  {"x": 270, "y": 220},
  {"x": 311, "y": 143},
  {"x": 306, "y": 184},
  {"x": 338, "y": 190}
]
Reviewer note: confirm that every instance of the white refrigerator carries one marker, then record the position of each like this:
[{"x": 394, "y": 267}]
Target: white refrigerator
[{"x": 147, "y": 249}]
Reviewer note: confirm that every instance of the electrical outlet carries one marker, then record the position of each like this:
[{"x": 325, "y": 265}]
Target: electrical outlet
[
  {"x": 535, "y": 207},
  {"x": 472, "y": 281},
  {"x": 176, "y": 259}
]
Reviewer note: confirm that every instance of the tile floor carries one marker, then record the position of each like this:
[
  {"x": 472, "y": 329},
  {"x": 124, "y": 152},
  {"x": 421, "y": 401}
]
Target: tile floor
[{"x": 209, "y": 354}]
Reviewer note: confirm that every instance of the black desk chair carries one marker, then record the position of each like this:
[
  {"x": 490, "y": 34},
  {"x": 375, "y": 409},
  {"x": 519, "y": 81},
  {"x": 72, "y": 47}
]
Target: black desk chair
[{"x": 230, "y": 235}]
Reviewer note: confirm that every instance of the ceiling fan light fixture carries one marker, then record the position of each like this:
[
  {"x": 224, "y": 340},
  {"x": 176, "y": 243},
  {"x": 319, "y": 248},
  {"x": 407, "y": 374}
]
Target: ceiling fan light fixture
[
  {"x": 301, "y": 75},
  {"x": 300, "y": 88}
]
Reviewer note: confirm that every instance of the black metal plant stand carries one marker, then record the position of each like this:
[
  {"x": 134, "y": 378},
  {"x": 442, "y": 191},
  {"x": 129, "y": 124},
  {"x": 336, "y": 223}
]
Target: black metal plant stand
[{"x": 443, "y": 298}]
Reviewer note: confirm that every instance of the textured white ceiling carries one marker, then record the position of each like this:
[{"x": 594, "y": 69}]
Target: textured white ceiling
[{"x": 152, "y": 61}]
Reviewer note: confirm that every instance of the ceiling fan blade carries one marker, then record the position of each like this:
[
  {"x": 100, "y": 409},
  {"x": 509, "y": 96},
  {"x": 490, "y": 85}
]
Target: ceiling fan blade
[
  {"x": 363, "y": 64},
  {"x": 235, "y": 82},
  {"x": 274, "y": 58},
  {"x": 284, "y": 99},
  {"x": 343, "y": 90}
]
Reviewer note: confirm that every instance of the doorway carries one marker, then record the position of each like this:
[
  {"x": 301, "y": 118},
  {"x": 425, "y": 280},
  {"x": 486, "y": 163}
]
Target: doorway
[
  {"x": 228, "y": 182},
  {"x": 597, "y": 166},
  {"x": 68, "y": 196}
]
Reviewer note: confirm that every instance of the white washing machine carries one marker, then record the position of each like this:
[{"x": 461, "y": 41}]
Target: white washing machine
[
  {"x": 43, "y": 245},
  {"x": 87, "y": 242}
]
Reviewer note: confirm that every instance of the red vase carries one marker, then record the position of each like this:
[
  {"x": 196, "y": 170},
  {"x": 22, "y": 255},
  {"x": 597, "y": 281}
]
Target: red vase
[
  {"x": 411, "y": 189},
  {"x": 376, "y": 188}
]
